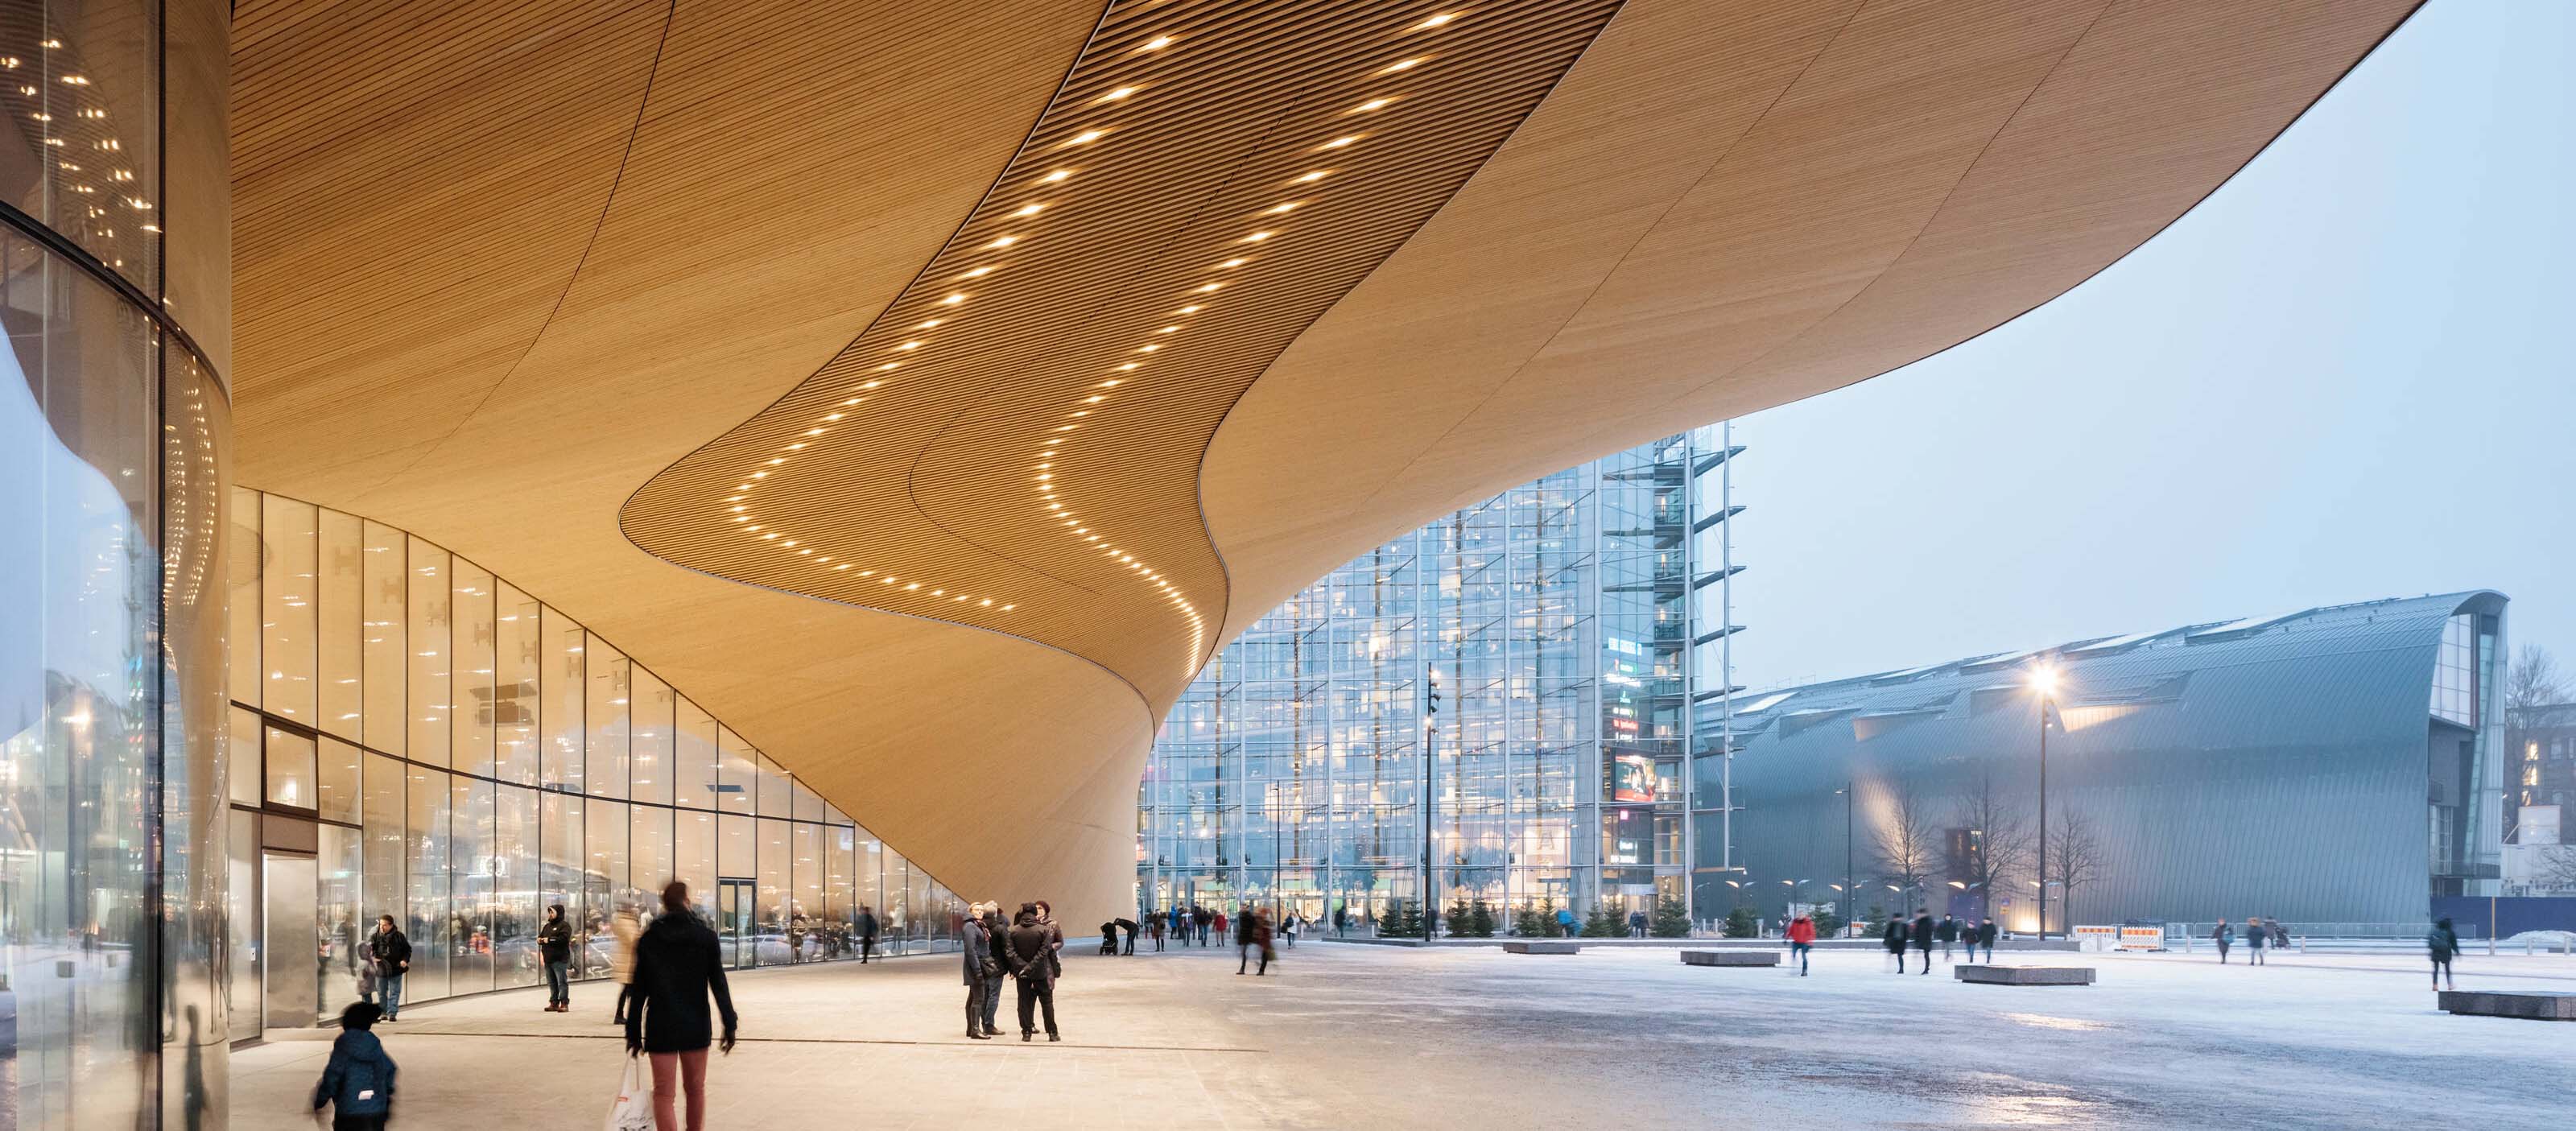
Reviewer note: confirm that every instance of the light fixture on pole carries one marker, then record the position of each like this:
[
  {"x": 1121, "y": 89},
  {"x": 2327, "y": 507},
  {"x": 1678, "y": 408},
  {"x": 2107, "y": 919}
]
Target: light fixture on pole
[
  {"x": 2043, "y": 682},
  {"x": 1848, "y": 789}
]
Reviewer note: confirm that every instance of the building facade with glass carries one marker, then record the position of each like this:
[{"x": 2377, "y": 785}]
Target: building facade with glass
[
  {"x": 115, "y": 428},
  {"x": 412, "y": 736},
  {"x": 1553, "y": 622}
]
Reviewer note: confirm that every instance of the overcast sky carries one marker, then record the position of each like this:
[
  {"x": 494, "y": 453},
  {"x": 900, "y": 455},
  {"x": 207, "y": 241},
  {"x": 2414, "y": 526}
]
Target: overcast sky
[{"x": 2346, "y": 375}]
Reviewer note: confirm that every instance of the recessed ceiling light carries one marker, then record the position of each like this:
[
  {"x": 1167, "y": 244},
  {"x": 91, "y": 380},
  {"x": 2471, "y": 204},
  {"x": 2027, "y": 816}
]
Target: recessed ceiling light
[
  {"x": 1339, "y": 142},
  {"x": 1004, "y": 241},
  {"x": 953, "y": 299},
  {"x": 1056, "y": 177},
  {"x": 1030, "y": 210},
  {"x": 1441, "y": 20},
  {"x": 1372, "y": 104},
  {"x": 1086, "y": 137},
  {"x": 1113, "y": 96},
  {"x": 977, "y": 273},
  {"x": 1311, "y": 178},
  {"x": 1406, "y": 64},
  {"x": 1157, "y": 43}
]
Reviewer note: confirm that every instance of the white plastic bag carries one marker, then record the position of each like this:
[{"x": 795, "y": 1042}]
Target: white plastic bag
[{"x": 633, "y": 1108}]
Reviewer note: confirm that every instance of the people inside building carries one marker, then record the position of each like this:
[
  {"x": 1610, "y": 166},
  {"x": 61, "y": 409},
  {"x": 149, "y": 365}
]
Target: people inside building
[
  {"x": 867, "y": 926},
  {"x": 624, "y": 928},
  {"x": 1802, "y": 938},
  {"x": 358, "y": 1081},
  {"x": 677, "y": 968},
  {"x": 1031, "y": 956},
  {"x": 554, "y": 946},
  {"x": 392, "y": 953}
]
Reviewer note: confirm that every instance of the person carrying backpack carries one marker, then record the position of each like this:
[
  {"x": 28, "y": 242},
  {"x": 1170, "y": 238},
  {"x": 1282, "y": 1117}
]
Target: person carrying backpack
[
  {"x": 2444, "y": 945},
  {"x": 358, "y": 1081}
]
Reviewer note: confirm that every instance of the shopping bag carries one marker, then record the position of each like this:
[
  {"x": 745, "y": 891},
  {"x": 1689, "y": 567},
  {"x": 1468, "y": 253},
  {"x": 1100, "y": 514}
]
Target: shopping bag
[{"x": 633, "y": 1108}]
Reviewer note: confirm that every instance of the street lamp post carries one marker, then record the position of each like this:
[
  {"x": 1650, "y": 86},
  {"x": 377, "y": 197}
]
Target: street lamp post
[
  {"x": 1430, "y": 742},
  {"x": 2043, "y": 679}
]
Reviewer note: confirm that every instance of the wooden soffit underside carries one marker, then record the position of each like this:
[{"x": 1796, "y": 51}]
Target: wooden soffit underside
[{"x": 546, "y": 280}]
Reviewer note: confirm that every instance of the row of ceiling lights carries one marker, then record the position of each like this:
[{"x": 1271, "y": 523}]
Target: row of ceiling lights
[{"x": 109, "y": 145}]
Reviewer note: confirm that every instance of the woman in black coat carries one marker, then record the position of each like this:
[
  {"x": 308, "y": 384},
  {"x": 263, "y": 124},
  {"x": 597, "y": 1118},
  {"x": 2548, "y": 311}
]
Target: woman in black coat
[{"x": 677, "y": 964}]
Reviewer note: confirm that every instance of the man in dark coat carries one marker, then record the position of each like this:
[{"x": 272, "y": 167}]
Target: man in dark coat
[
  {"x": 1000, "y": 934},
  {"x": 1986, "y": 938},
  {"x": 983, "y": 973},
  {"x": 392, "y": 952},
  {"x": 1128, "y": 925},
  {"x": 1948, "y": 933},
  {"x": 1922, "y": 939},
  {"x": 867, "y": 933},
  {"x": 1893, "y": 938},
  {"x": 1199, "y": 919},
  {"x": 1031, "y": 955}
]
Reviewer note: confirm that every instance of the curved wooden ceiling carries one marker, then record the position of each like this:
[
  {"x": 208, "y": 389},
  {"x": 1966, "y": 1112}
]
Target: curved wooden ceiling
[{"x": 499, "y": 265}]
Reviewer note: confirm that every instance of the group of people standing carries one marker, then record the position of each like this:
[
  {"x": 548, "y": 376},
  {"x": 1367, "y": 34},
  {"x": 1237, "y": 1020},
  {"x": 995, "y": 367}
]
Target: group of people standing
[
  {"x": 2260, "y": 934},
  {"x": 1949, "y": 931},
  {"x": 1030, "y": 950}
]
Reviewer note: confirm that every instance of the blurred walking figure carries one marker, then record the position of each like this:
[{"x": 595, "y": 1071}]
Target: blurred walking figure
[
  {"x": 2255, "y": 937},
  {"x": 677, "y": 966},
  {"x": 983, "y": 971},
  {"x": 1199, "y": 919},
  {"x": 2444, "y": 945},
  {"x": 1565, "y": 922},
  {"x": 1922, "y": 940},
  {"x": 1893, "y": 938},
  {"x": 1802, "y": 938},
  {"x": 1986, "y": 938},
  {"x": 1948, "y": 933},
  {"x": 2280, "y": 938},
  {"x": 1156, "y": 922},
  {"x": 867, "y": 933},
  {"x": 554, "y": 944},
  {"x": 1288, "y": 925},
  {"x": 358, "y": 1081},
  {"x": 2222, "y": 934},
  {"x": 1636, "y": 924},
  {"x": 625, "y": 927},
  {"x": 1251, "y": 932},
  {"x": 1341, "y": 919},
  {"x": 1031, "y": 956}
]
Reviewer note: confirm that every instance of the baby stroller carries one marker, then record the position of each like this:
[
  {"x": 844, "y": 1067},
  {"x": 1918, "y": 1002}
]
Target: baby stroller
[{"x": 1109, "y": 938}]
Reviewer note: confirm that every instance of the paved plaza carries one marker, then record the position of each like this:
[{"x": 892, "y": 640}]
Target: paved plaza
[{"x": 1364, "y": 1036}]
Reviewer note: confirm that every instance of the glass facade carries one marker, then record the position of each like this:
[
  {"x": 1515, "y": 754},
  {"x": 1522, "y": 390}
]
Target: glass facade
[
  {"x": 1553, "y": 622},
  {"x": 114, "y": 435},
  {"x": 416, "y": 737}
]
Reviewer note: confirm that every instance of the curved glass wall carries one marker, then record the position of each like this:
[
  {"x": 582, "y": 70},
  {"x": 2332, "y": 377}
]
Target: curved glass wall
[
  {"x": 445, "y": 748},
  {"x": 114, "y": 431}
]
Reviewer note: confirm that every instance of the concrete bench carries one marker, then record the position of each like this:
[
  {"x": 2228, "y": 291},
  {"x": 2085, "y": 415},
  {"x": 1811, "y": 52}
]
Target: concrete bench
[
  {"x": 2537, "y": 1005},
  {"x": 1541, "y": 947},
  {"x": 1730, "y": 958},
  {"x": 2024, "y": 975}
]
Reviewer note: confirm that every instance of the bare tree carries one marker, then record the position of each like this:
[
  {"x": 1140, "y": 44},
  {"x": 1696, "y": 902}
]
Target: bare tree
[
  {"x": 1906, "y": 840},
  {"x": 2075, "y": 856},
  {"x": 1999, "y": 837},
  {"x": 2533, "y": 680},
  {"x": 2555, "y": 870}
]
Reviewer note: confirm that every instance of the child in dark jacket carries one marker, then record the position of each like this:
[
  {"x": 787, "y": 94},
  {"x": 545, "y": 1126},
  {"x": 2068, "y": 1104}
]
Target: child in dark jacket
[{"x": 358, "y": 1083}]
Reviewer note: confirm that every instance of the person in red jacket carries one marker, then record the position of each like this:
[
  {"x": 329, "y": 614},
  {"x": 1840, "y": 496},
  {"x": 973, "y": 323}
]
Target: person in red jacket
[{"x": 1802, "y": 938}]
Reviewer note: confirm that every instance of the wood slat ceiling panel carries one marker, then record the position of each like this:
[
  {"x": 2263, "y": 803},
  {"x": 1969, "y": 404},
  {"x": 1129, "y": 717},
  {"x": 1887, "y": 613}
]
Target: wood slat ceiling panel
[{"x": 1014, "y": 443}]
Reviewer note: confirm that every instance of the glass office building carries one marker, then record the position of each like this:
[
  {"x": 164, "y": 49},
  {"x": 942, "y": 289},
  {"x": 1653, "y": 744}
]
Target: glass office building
[
  {"x": 1553, "y": 621},
  {"x": 414, "y": 736},
  {"x": 114, "y": 429}
]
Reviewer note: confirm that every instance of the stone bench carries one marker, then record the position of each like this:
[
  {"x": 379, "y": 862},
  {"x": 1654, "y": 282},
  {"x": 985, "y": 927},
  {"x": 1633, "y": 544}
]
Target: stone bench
[
  {"x": 2537, "y": 1005},
  {"x": 1730, "y": 958},
  {"x": 1549, "y": 947},
  {"x": 2024, "y": 975}
]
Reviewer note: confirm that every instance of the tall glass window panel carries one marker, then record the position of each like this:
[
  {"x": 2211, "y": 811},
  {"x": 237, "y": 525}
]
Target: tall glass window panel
[
  {"x": 870, "y": 880},
  {"x": 471, "y": 638},
  {"x": 469, "y": 858},
  {"x": 517, "y": 909},
  {"x": 890, "y": 911},
  {"x": 693, "y": 753},
  {"x": 808, "y": 806},
  {"x": 693, "y": 857},
  {"x": 246, "y": 784},
  {"x": 648, "y": 867},
  {"x": 650, "y": 740},
  {"x": 243, "y": 554},
  {"x": 737, "y": 774},
  {"x": 605, "y": 872},
  {"x": 287, "y": 591},
  {"x": 517, "y": 657},
  {"x": 335, "y": 781},
  {"x": 290, "y": 769},
  {"x": 773, "y": 889},
  {"x": 840, "y": 885},
  {"x": 429, "y": 653},
  {"x": 244, "y": 900},
  {"x": 432, "y": 932},
  {"x": 562, "y": 689},
  {"x": 340, "y": 616},
  {"x": 805, "y": 870},
  {"x": 773, "y": 789},
  {"x": 387, "y": 851},
  {"x": 604, "y": 754},
  {"x": 341, "y": 919},
  {"x": 384, "y": 682},
  {"x": 563, "y": 855}
]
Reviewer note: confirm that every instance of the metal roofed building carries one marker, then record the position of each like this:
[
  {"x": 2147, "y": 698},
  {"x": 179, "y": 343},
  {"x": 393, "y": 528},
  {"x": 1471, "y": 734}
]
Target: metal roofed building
[{"x": 2335, "y": 764}]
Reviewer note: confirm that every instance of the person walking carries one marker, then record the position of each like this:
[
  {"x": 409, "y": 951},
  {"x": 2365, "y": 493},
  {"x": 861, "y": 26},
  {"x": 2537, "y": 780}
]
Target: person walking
[
  {"x": 1892, "y": 937},
  {"x": 998, "y": 934},
  {"x": 1156, "y": 923},
  {"x": 867, "y": 926},
  {"x": 624, "y": 927},
  {"x": 983, "y": 971},
  {"x": 1199, "y": 919},
  {"x": 1802, "y": 938},
  {"x": 2222, "y": 934},
  {"x": 2280, "y": 938},
  {"x": 1288, "y": 925},
  {"x": 358, "y": 1081},
  {"x": 2443, "y": 944},
  {"x": 1251, "y": 933},
  {"x": 1341, "y": 920},
  {"x": 1922, "y": 933},
  {"x": 2255, "y": 938},
  {"x": 392, "y": 953},
  {"x": 1948, "y": 932},
  {"x": 1986, "y": 938},
  {"x": 1565, "y": 922},
  {"x": 554, "y": 945},
  {"x": 677, "y": 967},
  {"x": 1031, "y": 955}
]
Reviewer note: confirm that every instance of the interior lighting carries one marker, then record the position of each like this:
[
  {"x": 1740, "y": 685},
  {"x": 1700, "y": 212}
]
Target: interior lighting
[
  {"x": 1211, "y": 287},
  {"x": 1030, "y": 210},
  {"x": 1055, "y": 178},
  {"x": 1405, "y": 64},
  {"x": 1004, "y": 241},
  {"x": 1441, "y": 20},
  {"x": 954, "y": 297},
  {"x": 1147, "y": 348},
  {"x": 977, "y": 273},
  {"x": 1127, "y": 365},
  {"x": 1168, "y": 330},
  {"x": 1339, "y": 142},
  {"x": 1112, "y": 96},
  {"x": 1257, "y": 237},
  {"x": 909, "y": 346},
  {"x": 1192, "y": 308},
  {"x": 927, "y": 324},
  {"x": 1311, "y": 178},
  {"x": 1157, "y": 43},
  {"x": 1086, "y": 137},
  {"x": 1111, "y": 383},
  {"x": 1237, "y": 261},
  {"x": 1094, "y": 398},
  {"x": 1372, "y": 104}
]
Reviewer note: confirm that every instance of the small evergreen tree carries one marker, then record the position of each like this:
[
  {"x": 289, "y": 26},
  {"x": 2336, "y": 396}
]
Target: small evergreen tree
[
  {"x": 1603, "y": 923},
  {"x": 1829, "y": 925},
  {"x": 1480, "y": 920},
  {"x": 1528, "y": 923},
  {"x": 1401, "y": 921},
  {"x": 1672, "y": 920},
  {"x": 1459, "y": 925},
  {"x": 1549, "y": 927},
  {"x": 1740, "y": 923}
]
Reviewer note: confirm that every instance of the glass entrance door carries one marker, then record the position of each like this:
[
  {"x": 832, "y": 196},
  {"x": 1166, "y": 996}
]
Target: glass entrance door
[
  {"x": 289, "y": 941},
  {"x": 736, "y": 937}
]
